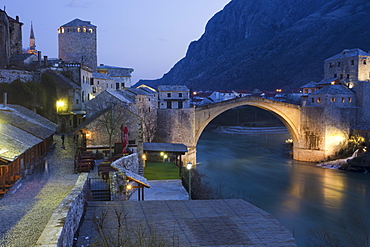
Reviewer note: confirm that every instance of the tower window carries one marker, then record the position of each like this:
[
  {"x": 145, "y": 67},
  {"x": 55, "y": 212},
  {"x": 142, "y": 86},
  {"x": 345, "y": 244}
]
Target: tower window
[
  {"x": 332, "y": 99},
  {"x": 78, "y": 29},
  {"x": 84, "y": 29},
  {"x": 318, "y": 100},
  {"x": 364, "y": 61},
  {"x": 90, "y": 30},
  {"x": 343, "y": 100},
  {"x": 352, "y": 62},
  {"x": 349, "y": 99}
]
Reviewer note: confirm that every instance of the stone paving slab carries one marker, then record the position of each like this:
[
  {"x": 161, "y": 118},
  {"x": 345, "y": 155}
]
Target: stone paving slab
[
  {"x": 163, "y": 190},
  {"x": 231, "y": 222}
]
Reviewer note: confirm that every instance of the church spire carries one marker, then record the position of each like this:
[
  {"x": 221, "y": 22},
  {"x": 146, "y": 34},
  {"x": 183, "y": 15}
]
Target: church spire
[{"x": 32, "y": 49}]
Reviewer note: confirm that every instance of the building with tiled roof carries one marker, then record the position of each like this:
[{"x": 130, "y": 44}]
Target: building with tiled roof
[
  {"x": 25, "y": 137},
  {"x": 122, "y": 76}
]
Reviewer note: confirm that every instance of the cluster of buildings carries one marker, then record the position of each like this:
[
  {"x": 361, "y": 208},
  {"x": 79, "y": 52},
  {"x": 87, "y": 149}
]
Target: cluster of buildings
[
  {"x": 87, "y": 94},
  {"x": 90, "y": 92}
]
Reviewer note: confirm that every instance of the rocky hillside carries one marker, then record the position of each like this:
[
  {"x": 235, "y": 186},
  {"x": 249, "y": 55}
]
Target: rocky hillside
[{"x": 270, "y": 44}]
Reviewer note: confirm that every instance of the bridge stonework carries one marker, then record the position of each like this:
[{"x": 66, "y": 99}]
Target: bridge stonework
[{"x": 317, "y": 132}]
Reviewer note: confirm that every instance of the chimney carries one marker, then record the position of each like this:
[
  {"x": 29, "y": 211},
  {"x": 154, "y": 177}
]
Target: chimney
[
  {"x": 5, "y": 99},
  {"x": 46, "y": 61},
  {"x": 39, "y": 57}
]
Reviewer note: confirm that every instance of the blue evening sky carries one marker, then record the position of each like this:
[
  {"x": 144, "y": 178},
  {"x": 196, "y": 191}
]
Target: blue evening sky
[{"x": 147, "y": 35}]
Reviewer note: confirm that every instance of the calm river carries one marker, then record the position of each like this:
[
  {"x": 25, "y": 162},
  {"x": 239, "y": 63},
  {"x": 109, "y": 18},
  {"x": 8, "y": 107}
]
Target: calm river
[{"x": 306, "y": 199}]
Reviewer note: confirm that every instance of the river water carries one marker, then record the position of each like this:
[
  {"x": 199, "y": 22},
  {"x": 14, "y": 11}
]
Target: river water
[{"x": 308, "y": 200}]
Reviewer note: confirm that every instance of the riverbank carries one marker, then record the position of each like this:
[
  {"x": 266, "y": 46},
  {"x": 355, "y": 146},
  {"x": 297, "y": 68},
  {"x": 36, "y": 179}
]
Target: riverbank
[
  {"x": 238, "y": 130},
  {"x": 356, "y": 163}
]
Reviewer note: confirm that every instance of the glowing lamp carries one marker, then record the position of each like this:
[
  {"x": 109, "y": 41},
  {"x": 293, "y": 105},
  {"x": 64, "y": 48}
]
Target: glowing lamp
[{"x": 60, "y": 103}]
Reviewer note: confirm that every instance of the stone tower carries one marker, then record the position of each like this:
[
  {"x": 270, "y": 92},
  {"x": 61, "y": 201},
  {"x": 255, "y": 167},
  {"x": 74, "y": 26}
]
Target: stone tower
[
  {"x": 10, "y": 38},
  {"x": 32, "y": 49},
  {"x": 77, "y": 42}
]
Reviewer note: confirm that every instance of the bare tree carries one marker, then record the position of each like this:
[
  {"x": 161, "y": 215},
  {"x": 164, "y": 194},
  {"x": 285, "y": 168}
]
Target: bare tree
[{"x": 111, "y": 120}]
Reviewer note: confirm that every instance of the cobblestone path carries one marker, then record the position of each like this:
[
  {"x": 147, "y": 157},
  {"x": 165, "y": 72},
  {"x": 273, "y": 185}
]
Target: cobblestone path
[{"x": 24, "y": 214}]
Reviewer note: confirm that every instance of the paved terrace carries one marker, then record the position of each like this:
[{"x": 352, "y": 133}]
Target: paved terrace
[{"x": 231, "y": 222}]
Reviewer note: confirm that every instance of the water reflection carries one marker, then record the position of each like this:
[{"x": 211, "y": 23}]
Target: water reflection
[{"x": 302, "y": 196}]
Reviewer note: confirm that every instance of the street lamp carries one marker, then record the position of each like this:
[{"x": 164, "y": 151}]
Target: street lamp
[
  {"x": 189, "y": 168},
  {"x": 144, "y": 159}
]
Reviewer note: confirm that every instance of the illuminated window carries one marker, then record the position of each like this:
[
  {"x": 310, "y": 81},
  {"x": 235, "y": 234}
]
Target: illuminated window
[
  {"x": 349, "y": 99},
  {"x": 90, "y": 30},
  {"x": 58, "y": 30},
  {"x": 332, "y": 99},
  {"x": 78, "y": 29},
  {"x": 84, "y": 29},
  {"x": 318, "y": 100},
  {"x": 305, "y": 90},
  {"x": 343, "y": 100},
  {"x": 62, "y": 30}
]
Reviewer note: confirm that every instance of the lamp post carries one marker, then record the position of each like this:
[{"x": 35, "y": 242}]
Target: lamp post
[
  {"x": 144, "y": 159},
  {"x": 189, "y": 168}
]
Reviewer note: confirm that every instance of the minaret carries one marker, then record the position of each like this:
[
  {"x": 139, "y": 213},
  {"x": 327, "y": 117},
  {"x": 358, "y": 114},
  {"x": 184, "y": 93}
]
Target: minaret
[{"x": 32, "y": 49}]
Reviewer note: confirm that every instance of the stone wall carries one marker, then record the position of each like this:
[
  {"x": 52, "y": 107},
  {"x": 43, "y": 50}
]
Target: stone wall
[
  {"x": 118, "y": 179},
  {"x": 65, "y": 220},
  {"x": 324, "y": 132},
  {"x": 176, "y": 126},
  {"x": 7, "y": 75}
]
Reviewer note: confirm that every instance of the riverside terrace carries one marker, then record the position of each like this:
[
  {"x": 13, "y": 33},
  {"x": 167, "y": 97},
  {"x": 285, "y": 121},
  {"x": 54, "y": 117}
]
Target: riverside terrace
[{"x": 231, "y": 222}]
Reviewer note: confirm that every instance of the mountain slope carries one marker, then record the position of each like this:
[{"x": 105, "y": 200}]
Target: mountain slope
[{"x": 270, "y": 44}]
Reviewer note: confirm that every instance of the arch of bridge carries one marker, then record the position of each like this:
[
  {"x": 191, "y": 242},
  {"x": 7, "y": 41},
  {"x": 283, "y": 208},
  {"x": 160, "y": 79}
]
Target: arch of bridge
[{"x": 289, "y": 114}]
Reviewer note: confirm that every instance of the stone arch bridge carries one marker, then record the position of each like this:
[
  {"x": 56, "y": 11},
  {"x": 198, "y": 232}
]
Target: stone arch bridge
[{"x": 317, "y": 132}]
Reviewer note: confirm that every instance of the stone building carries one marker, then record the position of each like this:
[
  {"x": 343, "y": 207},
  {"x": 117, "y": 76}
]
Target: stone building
[
  {"x": 122, "y": 76},
  {"x": 10, "y": 38},
  {"x": 138, "y": 101},
  {"x": 173, "y": 97},
  {"x": 77, "y": 42},
  {"x": 351, "y": 67},
  {"x": 102, "y": 82}
]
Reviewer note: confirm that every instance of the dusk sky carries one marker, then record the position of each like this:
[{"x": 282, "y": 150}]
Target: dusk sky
[{"x": 149, "y": 36}]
